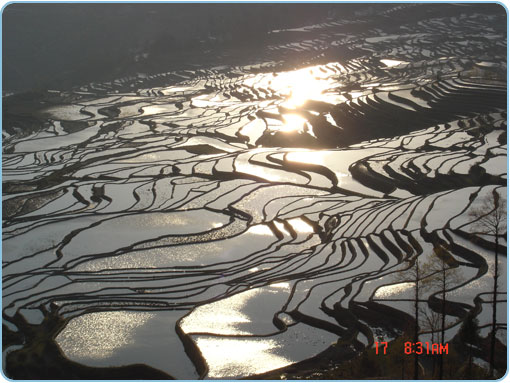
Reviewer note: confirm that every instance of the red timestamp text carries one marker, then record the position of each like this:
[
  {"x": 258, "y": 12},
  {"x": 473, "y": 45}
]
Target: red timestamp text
[
  {"x": 418, "y": 348},
  {"x": 383, "y": 345},
  {"x": 425, "y": 348}
]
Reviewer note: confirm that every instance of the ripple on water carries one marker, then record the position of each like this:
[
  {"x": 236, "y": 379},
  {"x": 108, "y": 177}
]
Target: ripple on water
[
  {"x": 235, "y": 357},
  {"x": 117, "y": 338}
]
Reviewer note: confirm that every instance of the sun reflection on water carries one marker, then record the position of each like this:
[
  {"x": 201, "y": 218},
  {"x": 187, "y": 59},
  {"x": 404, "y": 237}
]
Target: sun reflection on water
[
  {"x": 391, "y": 290},
  {"x": 157, "y": 109},
  {"x": 260, "y": 230},
  {"x": 100, "y": 335},
  {"x": 391, "y": 63},
  {"x": 300, "y": 85},
  {"x": 304, "y": 87},
  {"x": 281, "y": 285},
  {"x": 293, "y": 122},
  {"x": 240, "y": 357},
  {"x": 300, "y": 226},
  {"x": 221, "y": 317}
]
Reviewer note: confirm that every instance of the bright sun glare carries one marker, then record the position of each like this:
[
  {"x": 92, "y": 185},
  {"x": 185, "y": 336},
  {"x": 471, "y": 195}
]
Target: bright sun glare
[
  {"x": 293, "y": 122},
  {"x": 300, "y": 86}
]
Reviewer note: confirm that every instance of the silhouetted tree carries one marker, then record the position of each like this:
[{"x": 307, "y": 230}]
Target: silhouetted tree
[
  {"x": 438, "y": 275},
  {"x": 469, "y": 335},
  {"x": 442, "y": 275},
  {"x": 413, "y": 274},
  {"x": 430, "y": 321},
  {"x": 490, "y": 219}
]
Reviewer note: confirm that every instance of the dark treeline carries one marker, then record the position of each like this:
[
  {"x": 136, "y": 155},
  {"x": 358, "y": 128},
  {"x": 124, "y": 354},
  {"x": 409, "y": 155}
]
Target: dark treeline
[{"x": 61, "y": 45}]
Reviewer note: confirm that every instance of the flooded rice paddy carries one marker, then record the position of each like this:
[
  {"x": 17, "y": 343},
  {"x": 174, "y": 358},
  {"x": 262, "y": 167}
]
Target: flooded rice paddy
[{"x": 220, "y": 222}]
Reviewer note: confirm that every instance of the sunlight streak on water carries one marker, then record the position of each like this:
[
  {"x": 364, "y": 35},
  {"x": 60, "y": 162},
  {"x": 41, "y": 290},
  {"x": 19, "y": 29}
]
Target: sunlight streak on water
[
  {"x": 260, "y": 230},
  {"x": 100, "y": 335},
  {"x": 301, "y": 226},
  {"x": 300, "y": 85},
  {"x": 157, "y": 109},
  {"x": 304, "y": 87},
  {"x": 389, "y": 291},
  {"x": 391, "y": 63},
  {"x": 293, "y": 122},
  {"x": 240, "y": 357},
  {"x": 269, "y": 174},
  {"x": 247, "y": 313},
  {"x": 281, "y": 285},
  {"x": 221, "y": 317}
]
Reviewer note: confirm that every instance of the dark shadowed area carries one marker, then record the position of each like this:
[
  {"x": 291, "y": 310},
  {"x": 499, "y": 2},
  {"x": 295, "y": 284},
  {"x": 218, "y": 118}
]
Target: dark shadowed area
[{"x": 61, "y": 45}]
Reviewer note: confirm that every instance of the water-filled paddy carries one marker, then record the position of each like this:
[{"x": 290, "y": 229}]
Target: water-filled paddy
[{"x": 228, "y": 220}]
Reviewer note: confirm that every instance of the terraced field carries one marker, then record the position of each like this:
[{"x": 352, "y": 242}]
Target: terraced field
[{"x": 227, "y": 220}]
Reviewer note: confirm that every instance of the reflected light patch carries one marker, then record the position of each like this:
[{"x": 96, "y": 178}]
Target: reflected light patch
[
  {"x": 269, "y": 174},
  {"x": 300, "y": 226},
  {"x": 206, "y": 102},
  {"x": 260, "y": 230},
  {"x": 221, "y": 317},
  {"x": 293, "y": 122},
  {"x": 302, "y": 156},
  {"x": 305, "y": 87},
  {"x": 281, "y": 228},
  {"x": 155, "y": 109},
  {"x": 230, "y": 358},
  {"x": 356, "y": 94},
  {"x": 391, "y": 63},
  {"x": 388, "y": 291},
  {"x": 162, "y": 219},
  {"x": 179, "y": 88},
  {"x": 330, "y": 119},
  {"x": 281, "y": 285},
  {"x": 300, "y": 86},
  {"x": 99, "y": 335}
]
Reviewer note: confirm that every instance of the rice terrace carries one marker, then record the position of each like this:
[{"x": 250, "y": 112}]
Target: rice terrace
[{"x": 263, "y": 191}]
